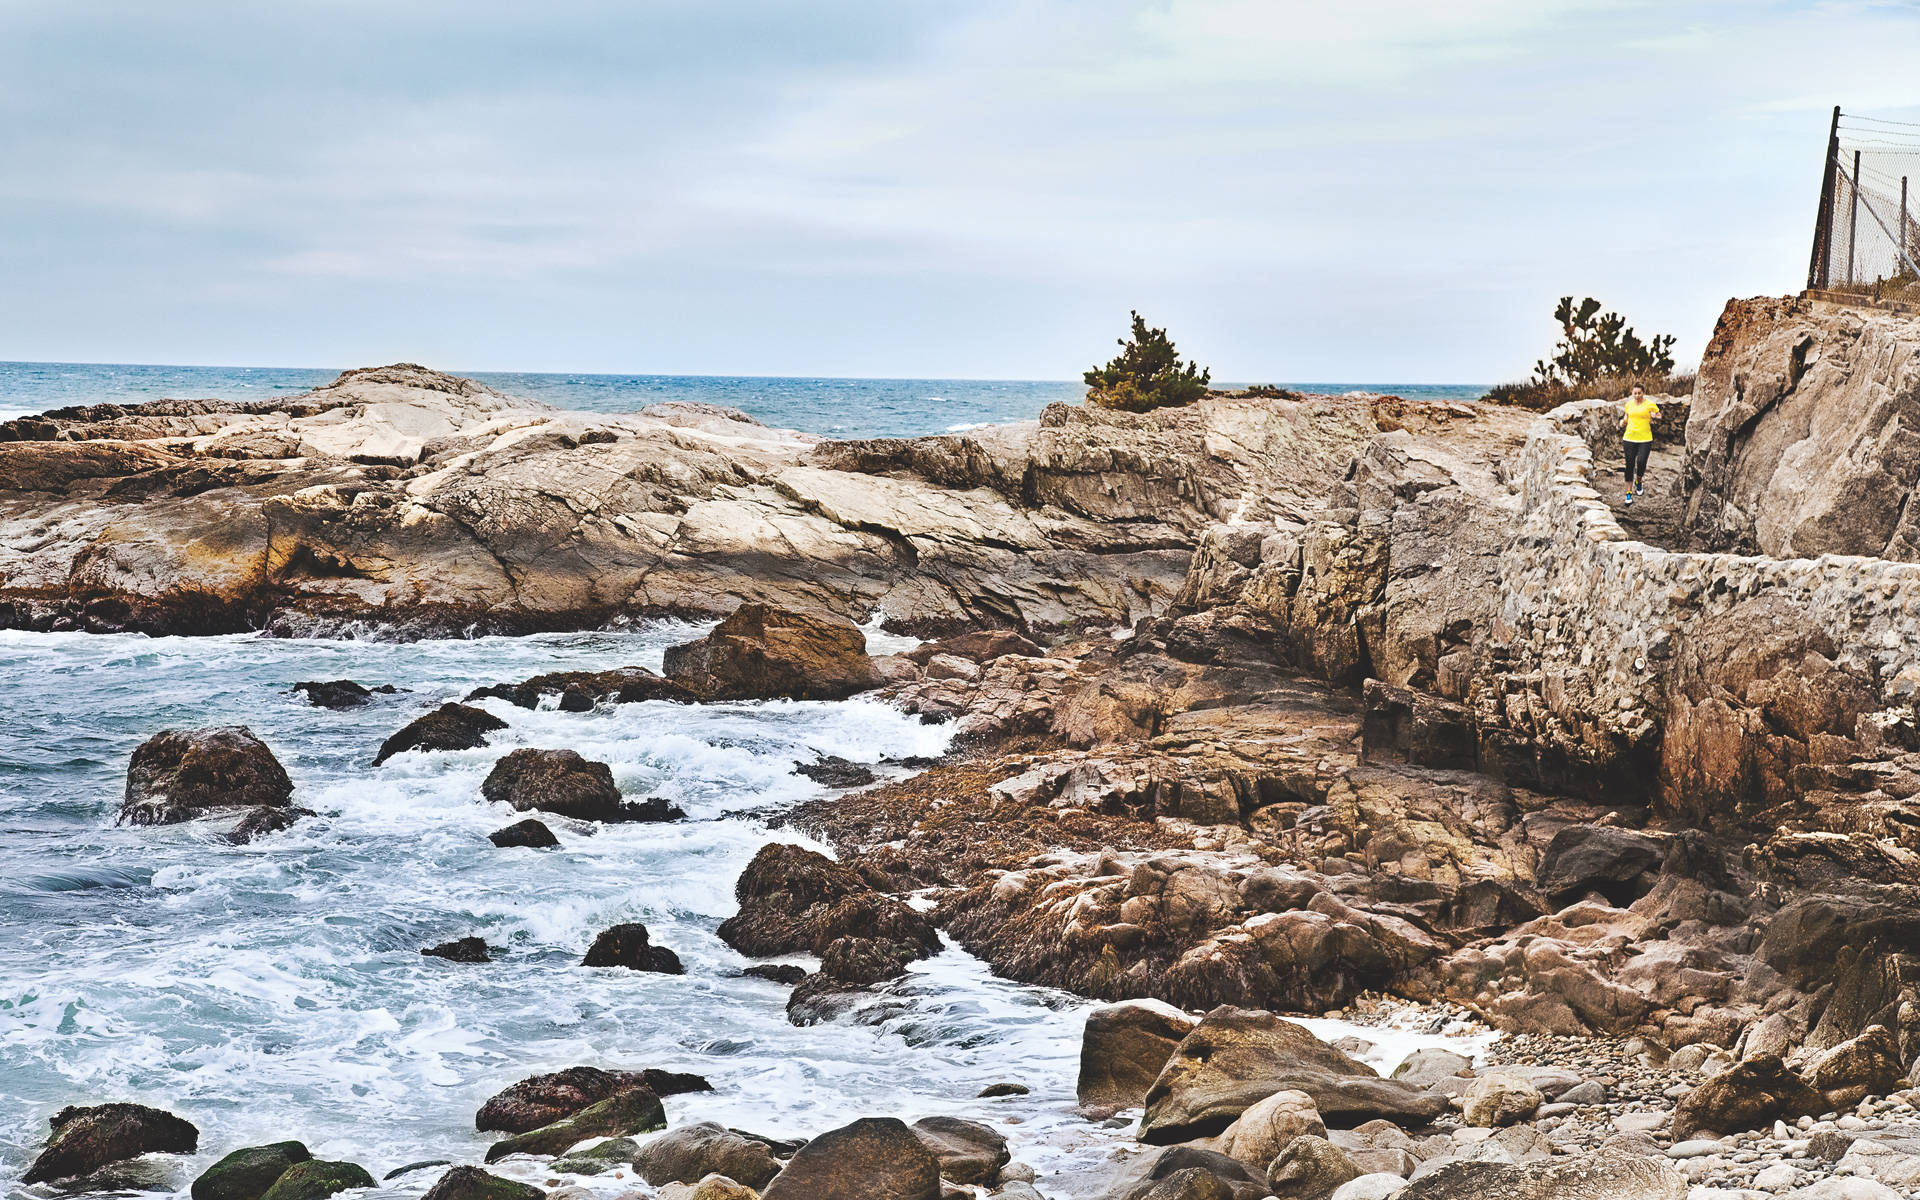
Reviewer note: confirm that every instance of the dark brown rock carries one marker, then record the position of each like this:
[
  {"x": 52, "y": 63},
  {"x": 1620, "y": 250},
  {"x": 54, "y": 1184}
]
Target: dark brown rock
[
  {"x": 261, "y": 821},
  {"x": 449, "y": 727},
  {"x": 341, "y": 693},
  {"x": 837, "y": 772},
  {"x": 763, "y": 653},
  {"x": 1751, "y": 1094},
  {"x": 461, "y": 950},
  {"x": 543, "y": 1099},
  {"x": 471, "y": 1183},
  {"x": 629, "y": 1111},
  {"x": 579, "y": 691},
  {"x": 531, "y": 833},
  {"x": 565, "y": 784},
  {"x": 85, "y": 1139},
  {"x": 628, "y": 946},
  {"x": 874, "y": 1158},
  {"x": 981, "y": 646},
  {"x": 786, "y": 973},
  {"x": 1617, "y": 863},
  {"x": 179, "y": 774}
]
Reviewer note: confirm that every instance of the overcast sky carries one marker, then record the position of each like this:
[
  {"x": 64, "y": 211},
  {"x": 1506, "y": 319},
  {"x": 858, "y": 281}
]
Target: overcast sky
[{"x": 1369, "y": 191}]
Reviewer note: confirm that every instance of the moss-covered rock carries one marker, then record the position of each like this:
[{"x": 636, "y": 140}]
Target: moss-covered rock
[
  {"x": 247, "y": 1173},
  {"x": 471, "y": 1183},
  {"x": 595, "y": 1159},
  {"x": 635, "y": 1110},
  {"x": 316, "y": 1179}
]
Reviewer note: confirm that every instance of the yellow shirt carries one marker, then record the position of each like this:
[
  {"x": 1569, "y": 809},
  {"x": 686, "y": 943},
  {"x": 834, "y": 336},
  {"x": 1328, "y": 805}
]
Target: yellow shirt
[{"x": 1640, "y": 420}]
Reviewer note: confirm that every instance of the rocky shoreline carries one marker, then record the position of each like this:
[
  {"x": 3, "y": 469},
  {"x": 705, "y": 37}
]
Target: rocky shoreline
[{"x": 1265, "y": 706}]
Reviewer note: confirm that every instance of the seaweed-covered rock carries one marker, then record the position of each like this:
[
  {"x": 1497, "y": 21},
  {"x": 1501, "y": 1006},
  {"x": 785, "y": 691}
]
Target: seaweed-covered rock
[
  {"x": 628, "y": 946},
  {"x": 179, "y": 774},
  {"x": 532, "y": 833},
  {"x": 85, "y": 1139},
  {"x": 247, "y": 1173},
  {"x": 633, "y": 1110},
  {"x": 762, "y": 653},
  {"x": 449, "y": 727},
  {"x": 316, "y": 1179},
  {"x": 472, "y": 1183}
]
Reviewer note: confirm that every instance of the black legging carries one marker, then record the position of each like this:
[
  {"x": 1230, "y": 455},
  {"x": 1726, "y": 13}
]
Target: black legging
[{"x": 1637, "y": 461}]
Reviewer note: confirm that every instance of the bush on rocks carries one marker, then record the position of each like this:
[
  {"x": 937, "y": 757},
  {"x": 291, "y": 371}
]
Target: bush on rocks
[
  {"x": 874, "y": 1158},
  {"x": 247, "y": 1173},
  {"x": 316, "y": 1179},
  {"x": 472, "y": 1183},
  {"x": 765, "y": 653},
  {"x": 628, "y": 946},
  {"x": 449, "y": 727},
  {"x": 693, "y": 1152},
  {"x": 633, "y": 1110},
  {"x": 86, "y": 1139},
  {"x": 179, "y": 774}
]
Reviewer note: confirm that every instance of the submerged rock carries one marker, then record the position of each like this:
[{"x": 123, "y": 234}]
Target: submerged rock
[
  {"x": 461, "y": 950},
  {"x": 764, "y": 653},
  {"x": 693, "y": 1152},
  {"x": 874, "y": 1158},
  {"x": 261, "y": 821},
  {"x": 472, "y": 1183},
  {"x": 630, "y": 1111},
  {"x": 449, "y": 727},
  {"x": 178, "y": 774},
  {"x": 628, "y": 946},
  {"x": 579, "y": 691},
  {"x": 317, "y": 1179},
  {"x": 531, "y": 833},
  {"x": 247, "y": 1173},
  {"x": 563, "y": 783},
  {"x": 86, "y": 1139},
  {"x": 341, "y": 693}
]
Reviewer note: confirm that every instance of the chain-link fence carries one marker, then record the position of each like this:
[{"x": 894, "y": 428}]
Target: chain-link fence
[{"x": 1866, "y": 242}]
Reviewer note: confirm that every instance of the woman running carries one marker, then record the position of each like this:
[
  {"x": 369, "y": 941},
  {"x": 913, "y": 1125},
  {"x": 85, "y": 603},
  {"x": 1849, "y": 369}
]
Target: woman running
[{"x": 1637, "y": 434}]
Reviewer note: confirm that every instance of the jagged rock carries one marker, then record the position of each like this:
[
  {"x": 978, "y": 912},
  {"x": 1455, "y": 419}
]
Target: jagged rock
[
  {"x": 794, "y": 900},
  {"x": 461, "y": 950},
  {"x": 1237, "y": 1057},
  {"x": 1603, "y": 1176},
  {"x": 1124, "y": 1047},
  {"x": 1269, "y": 1126},
  {"x": 1310, "y": 1168},
  {"x": 179, "y": 774},
  {"x": 563, "y": 783},
  {"x": 84, "y": 1139},
  {"x": 531, "y": 833},
  {"x": 472, "y": 1183},
  {"x": 449, "y": 727},
  {"x": 341, "y": 693},
  {"x": 764, "y": 653},
  {"x": 628, "y": 946},
  {"x": 692, "y": 1152},
  {"x": 579, "y": 691},
  {"x": 1867, "y": 1065},
  {"x": 1750, "y": 1095},
  {"x": 969, "y": 1152},
  {"x": 247, "y": 1173},
  {"x": 261, "y": 821},
  {"x": 874, "y": 1158},
  {"x": 316, "y": 1179},
  {"x": 543, "y": 1099},
  {"x": 628, "y": 1111}
]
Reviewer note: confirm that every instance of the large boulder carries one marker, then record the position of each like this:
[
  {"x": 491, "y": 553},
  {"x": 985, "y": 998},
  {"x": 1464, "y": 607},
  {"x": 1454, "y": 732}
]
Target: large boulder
[
  {"x": 543, "y": 1099},
  {"x": 471, "y": 1183},
  {"x": 693, "y": 1152},
  {"x": 449, "y": 727},
  {"x": 628, "y": 946},
  {"x": 563, "y": 783},
  {"x": 874, "y": 1158},
  {"x": 1269, "y": 1126},
  {"x": 1237, "y": 1057},
  {"x": 969, "y": 1152},
  {"x": 1606, "y": 1175},
  {"x": 1124, "y": 1047},
  {"x": 764, "y": 653},
  {"x": 85, "y": 1139},
  {"x": 1752, "y": 1094},
  {"x": 1496, "y": 1100},
  {"x": 634, "y": 1110},
  {"x": 1618, "y": 863},
  {"x": 316, "y": 1179},
  {"x": 247, "y": 1173},
  {"x": 1867, "y": 1065},
  {"x": 179, "y": 774}
]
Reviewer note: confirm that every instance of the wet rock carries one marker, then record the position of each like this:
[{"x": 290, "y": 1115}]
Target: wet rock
[
  {"x": 1237, "y": 1057},
  {"x": 247, "y": 1173},
  {"x": 579, "y": 691},
  {"x": 693, "y": 1152},
  {"x": 874, "y": 1158},
  {"x": 1617, "y": 863},
  {"x": 994, "y": 1091},
  {"x": 317, "y": 1179},
  {"x": 597, "y": 1158},
  {"x": 1189, "y": 1183},
  {"x": 969, "y": 1152},
  {"x": 341, "y": 693},
  {"x": 1867, "y": 1065},
  {"x": 837, "y": 772},
  {"x": 1310, "y": 1168},
  {"x": 785, "y": 973},
  {"x": 1124, "y": 1047},
  {"x": 764, "y": 653},
  {"x": 472, "y": 1183},
  {"x": 633, "y": 1110},
  {"x": 543, "y": 1099},
  {"x": 461, "y": 950},
  {"x": 1499, "y": 1099},
  {"x": 1750, "y": 1095},
  {"x": 531, "y": 833},
  {"x": 1602, "y": 1176},
  {"x": 261, "y": 821},
  {"x": 563, "y": 783},
  {"x": 628, "y": 946},
  {"x": 449, "y": 727},
  {"x": 1259, "y": 1134},
  {"x": 85, "y": 1139},
  {"x": 794, "y": 900},
  {"x": 410, "y": 1168},
  {"x": 179, "y": 774}
]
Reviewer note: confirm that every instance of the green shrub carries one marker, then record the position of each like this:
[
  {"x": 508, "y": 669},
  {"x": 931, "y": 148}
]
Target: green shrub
[
  {"x": 1599, "y": 356},
  {"x": 1147, "y": 374}
]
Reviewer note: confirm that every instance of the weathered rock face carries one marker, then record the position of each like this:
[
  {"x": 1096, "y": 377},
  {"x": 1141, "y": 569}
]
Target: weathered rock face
[
  {"x": 176, "y": 775},
  {"x": 1123, "y": 1049},
  {"x": 85, "y": 1139},
  {"x": 875, "y": 1158},
  {"x": 766, "y": 653}
]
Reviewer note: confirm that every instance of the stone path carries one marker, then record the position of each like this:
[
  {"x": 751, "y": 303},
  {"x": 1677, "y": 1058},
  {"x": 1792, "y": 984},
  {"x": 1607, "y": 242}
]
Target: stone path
[{"x": 1654, "y": 516}]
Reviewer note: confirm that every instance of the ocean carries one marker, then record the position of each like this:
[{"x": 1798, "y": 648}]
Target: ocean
[{"x": 832, "y": 407}]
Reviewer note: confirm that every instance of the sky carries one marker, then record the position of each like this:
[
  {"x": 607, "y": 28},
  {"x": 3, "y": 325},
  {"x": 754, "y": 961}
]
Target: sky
[{"x": 1369, "y": 191}]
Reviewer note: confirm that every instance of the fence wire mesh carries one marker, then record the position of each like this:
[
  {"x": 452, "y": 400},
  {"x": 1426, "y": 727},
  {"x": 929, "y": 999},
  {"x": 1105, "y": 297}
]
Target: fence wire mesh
[{"x": 1867, "y": 240}]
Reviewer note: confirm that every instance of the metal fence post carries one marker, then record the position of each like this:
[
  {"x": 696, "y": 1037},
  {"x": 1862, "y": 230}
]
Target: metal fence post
[
  {"x": 1853, "y": 216},
  {"x": 1819, "y": 267},
  {"x": 1903, "y": 224}
]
